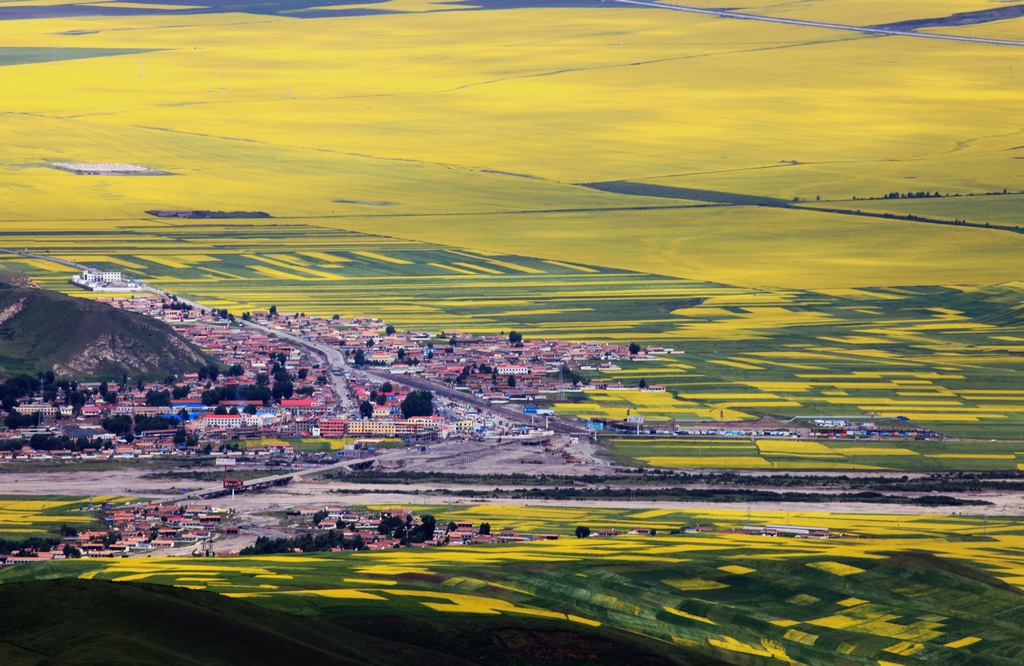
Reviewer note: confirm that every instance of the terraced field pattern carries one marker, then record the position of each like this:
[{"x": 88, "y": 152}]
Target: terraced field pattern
[
  {"x": 874, "y": 596},
  {"x": 583, "y": 170}
]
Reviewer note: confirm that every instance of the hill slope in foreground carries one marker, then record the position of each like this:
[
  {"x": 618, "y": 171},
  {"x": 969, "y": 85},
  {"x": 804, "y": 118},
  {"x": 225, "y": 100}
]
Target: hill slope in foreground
[
  {"x": 42, "y": 330},
  {"x": 101, "y": 622}
]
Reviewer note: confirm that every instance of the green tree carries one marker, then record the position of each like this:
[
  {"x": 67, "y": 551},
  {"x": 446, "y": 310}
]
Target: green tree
[
  {"x": 425, "y": 530},
  {"x": 389, "y": 330},
  {"x": 418, "y": 403},
  {"x": 634, "y": 348},
  {"x": 485, "y": 528},
  {"x": 582, "y": 532},
  {"x": 515, "y": 337},
  {"x": 366, "y": 409},
  {"x": 643, "y": 383},
  {"x": 511, "y": 381},
  {"x": 156, "y": 398},
  {"x": 282, "y": 391}
]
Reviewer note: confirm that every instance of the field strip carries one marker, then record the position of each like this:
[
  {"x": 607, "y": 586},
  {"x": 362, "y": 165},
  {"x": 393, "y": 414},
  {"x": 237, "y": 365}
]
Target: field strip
[
  {"x": 515, "y": 267},
  {"x": 380, "y": 257},
  {"x": 282, "y": 264},
  {"x": 583, "y": 269},
  {"x": 164, "y": 261},
  {"x": 482, "y": 269},
  {"x": 456, "y": 269}
]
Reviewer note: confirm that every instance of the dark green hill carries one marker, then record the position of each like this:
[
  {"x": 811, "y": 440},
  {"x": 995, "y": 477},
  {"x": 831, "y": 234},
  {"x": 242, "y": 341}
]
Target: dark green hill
[
  {"x": 82, "y": 622},
  {"x": 43, "y": 330},
  {"x": 99, "y": 622}
]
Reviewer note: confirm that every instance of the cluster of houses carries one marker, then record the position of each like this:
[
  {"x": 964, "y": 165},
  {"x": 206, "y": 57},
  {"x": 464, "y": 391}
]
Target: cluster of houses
[
  {"x": 495, "y": 367},
  {"x": 138, "y": 530},
  {"x": 143, "y": 529},
  {"x": 491, "y": 367},
  {"x": 368, "y": 528}
]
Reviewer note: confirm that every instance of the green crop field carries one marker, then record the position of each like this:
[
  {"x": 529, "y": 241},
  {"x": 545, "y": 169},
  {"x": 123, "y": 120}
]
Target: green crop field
[
  {"x": 908, "y": 456},
  {"x": 871, "y": 597},
  {"x": 23, "y": 517}
]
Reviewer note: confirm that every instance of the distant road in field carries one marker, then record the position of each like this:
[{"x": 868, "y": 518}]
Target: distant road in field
[{"x": 891, "y": 32}]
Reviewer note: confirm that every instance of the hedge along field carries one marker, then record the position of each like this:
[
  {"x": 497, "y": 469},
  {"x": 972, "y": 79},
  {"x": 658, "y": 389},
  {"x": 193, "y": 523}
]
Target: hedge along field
[{"x": 873, "y": 595}]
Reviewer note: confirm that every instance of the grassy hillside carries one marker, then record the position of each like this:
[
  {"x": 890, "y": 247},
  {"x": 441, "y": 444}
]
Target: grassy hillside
[
  {"x": 99, "y": 622},
  {"x": 42, "y": 330},
  {"x": 901, "y": 589}
]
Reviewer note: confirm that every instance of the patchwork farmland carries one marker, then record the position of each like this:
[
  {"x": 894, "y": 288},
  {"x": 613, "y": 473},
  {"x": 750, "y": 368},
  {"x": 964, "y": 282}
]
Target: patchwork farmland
[
  {"x": 727, "y": 595},
  {"x": 809, "y": 221},
  {"x": 396, "y": 193}
]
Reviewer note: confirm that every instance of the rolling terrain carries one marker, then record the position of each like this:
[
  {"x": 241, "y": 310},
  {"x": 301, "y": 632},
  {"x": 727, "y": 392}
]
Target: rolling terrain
[
  {"x": 44, "y": 331},
  {"x": 435, "y": 164}
]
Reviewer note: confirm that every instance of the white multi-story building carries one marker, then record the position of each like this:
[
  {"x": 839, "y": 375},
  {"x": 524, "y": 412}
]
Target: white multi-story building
[{"x": 95, "y": 275}]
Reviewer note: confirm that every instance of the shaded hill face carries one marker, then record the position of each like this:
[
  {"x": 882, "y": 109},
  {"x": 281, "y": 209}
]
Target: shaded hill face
[
  {"x": 99, "y": 622},
  {"x": 84, "y": 622},
  {"x": 43, "y": 330}
]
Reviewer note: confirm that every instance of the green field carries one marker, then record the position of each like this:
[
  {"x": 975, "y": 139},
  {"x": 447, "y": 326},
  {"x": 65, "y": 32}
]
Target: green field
[
  {"x": 825, "y": 455},
  {"x": 729, "y": 596},
  {"x": 22, "y": 517}
]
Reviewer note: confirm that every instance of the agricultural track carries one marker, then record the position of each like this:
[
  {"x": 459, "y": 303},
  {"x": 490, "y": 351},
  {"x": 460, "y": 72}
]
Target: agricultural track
[{"x": 881, "y": 31}]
